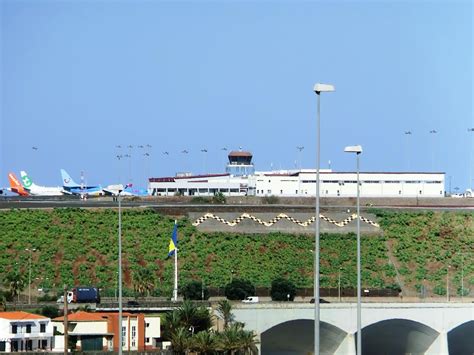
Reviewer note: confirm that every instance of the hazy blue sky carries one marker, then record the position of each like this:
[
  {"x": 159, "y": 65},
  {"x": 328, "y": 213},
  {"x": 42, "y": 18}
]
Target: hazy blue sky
[{"x": 80, "y": 77}]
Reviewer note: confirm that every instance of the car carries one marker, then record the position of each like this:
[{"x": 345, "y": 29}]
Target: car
[
  {"x": 251, "y": 299},
  {"x": 132, "y": 304},
  {"x": 321, "y": 300},
  {"x": 60, "y": 300}
]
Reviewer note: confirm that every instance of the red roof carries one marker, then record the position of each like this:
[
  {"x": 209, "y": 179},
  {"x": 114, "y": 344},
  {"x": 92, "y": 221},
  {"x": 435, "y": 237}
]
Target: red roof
[
  {"x": 19, "y": 315},
  {"x": 235, "y": 153},
  {"x": 190, "y": 177}
]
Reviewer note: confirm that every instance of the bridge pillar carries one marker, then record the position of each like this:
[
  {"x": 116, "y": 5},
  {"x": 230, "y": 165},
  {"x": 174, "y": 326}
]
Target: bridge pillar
[
  {"x": 439, "y": 346},
  {"x": 347, "y": 347}
]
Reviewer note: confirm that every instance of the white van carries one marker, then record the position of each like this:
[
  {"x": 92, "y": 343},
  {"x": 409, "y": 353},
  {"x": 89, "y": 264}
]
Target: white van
[{"x": 251, "y": 299}]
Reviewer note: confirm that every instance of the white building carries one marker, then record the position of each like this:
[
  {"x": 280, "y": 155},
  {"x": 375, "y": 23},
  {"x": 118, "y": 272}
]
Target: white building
[
  {"x": 303, "y": 184},
  {"x": 241, "y": 179},
  {"x": 233, "y": 183},
  {"x": 22, "y": 331},
  {"x": 199, "y": 185},
  {"x": 344, "y": 184}
]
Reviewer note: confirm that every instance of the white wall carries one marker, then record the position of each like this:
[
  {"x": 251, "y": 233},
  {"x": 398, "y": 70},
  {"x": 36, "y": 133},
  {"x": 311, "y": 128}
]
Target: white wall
[
  {"x": 21, "y": 335},
  {"x": 296, "y": 183},
  {"x": 335, "y": 184},
  {"x": 153, "y": 329}
]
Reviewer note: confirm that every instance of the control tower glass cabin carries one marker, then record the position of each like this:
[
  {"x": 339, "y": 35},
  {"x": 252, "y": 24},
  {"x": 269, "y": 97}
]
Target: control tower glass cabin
[{"x": 240, "y": 164}]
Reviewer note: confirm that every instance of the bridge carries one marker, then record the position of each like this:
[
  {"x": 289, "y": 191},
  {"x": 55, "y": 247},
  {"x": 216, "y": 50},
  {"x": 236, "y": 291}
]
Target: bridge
[{"x": 387, "y": 328}]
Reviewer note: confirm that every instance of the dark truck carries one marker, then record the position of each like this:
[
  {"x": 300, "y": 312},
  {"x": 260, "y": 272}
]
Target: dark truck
[{"x": 83, "y": 295}]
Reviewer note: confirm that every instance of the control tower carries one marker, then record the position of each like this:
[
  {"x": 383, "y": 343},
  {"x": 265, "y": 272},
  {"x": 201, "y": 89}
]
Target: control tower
[{"x": 240, "y": 163}]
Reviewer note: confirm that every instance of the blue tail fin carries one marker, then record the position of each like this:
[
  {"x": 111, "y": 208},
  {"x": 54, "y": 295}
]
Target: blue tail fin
[{"x": 67, "y": 180}]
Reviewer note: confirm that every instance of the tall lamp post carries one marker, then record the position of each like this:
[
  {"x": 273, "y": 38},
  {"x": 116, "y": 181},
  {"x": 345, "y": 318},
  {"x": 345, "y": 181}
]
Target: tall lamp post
[
  {"x": 433, "y": 132},
  {"x": 29, "y": 273},
  {"x": 408, "y": 133},
  {"x": 318, "y": 89},
  {"x": 300, "y": 148},
  {"x": 357, "y": 149},
  {"x": 462, "y": 276},
  {"x": 119, "y": 198},
  {"x": 470, "y": 130}
]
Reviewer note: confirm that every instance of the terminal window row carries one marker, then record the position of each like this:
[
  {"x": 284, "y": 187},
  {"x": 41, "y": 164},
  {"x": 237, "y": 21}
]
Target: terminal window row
[{"x": 342, "y": 182}]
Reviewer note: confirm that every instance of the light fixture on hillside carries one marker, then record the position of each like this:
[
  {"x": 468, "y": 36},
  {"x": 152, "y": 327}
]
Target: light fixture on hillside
[
  {"x": 357, "y": 149},
  {"x": 318, "y": 89},
  {"x": 31, "y": 251}
]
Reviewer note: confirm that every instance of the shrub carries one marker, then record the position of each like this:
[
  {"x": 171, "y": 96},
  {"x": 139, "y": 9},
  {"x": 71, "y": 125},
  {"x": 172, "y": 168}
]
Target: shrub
[
  {"x": 195, "y": 290},
  {"x": 440, "y": 290},
  {"x": 47, "y": 298},
  {"x": 49, "y": 311},
  {"x": 200, "y": 200},
  {"x": 282, "y": 290},
  {"x": 239, "y": 289},
  {"x": 219, "y": 198},
  {"x": 270, "y": 200},
  {"x": 6, "y": 295}
]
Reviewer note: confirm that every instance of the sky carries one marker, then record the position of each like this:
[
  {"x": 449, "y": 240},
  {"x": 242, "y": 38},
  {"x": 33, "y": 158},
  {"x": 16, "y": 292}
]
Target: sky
[{"x": 81, "y": 81}]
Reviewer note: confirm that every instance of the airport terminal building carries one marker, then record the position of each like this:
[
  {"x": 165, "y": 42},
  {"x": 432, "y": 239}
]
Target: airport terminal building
[{"x": 241, "y": 179}]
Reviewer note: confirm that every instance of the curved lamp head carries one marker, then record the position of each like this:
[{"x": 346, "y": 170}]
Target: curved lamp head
[
  {"x": 353, "y": 149},
  {"x": 319, "y": 88}
]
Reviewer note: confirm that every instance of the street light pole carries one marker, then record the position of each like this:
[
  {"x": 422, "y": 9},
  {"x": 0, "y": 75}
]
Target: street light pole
[
  {"x": 119, "y": 198},
  {"x": 318, "y": 88},
  {"x": 357, "y": 149},
  {"x": 433, "y": 132},
  {"x": 408, "y": 133},
  {"x": 462, "y": 276},
  {"x": 29, "y": 273},
  {"x": 66, "y": 334},
  {"x": 359, "y": 310},
  {"x": 470, "y": 130}
]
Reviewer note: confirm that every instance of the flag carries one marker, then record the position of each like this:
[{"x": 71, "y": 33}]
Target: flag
[{"x": 174, "y": 240}]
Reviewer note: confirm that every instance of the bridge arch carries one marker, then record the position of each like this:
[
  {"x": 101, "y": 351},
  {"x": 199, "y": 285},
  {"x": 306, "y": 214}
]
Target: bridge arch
[
  {"x": 297, "y": 337},
  {"x": 461, "y": 340},
  {"x": 398, "y": 336}
]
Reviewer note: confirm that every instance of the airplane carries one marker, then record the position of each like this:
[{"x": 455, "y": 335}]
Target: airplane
[
  {"x": 130, "y": 191},
  {"x": 15, "y": 186},
  {"x": 70, "y": 186},
  {"x": 36, "y": 190},
  {"x": 127, "y": 190}
]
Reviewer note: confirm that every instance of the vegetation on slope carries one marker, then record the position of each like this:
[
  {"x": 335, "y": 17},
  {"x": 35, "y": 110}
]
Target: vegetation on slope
[
  {"x": 427, "y": 244},
  {"x": 79, "y": 247}
]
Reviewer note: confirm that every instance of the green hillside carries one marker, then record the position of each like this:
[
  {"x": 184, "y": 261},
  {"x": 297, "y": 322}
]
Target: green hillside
[{"x": 79, "y": 247}]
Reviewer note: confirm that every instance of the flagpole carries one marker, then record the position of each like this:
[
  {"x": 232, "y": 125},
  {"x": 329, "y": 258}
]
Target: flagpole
[{"x": 175, "y": 290}]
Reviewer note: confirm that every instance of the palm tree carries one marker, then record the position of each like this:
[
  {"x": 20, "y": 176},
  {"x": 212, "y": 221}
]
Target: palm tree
[
  {"x": 197, "y": 317},
  {"x": 248, "y": 343},
  {"x": 16, "y": 284},
  {"x": 180, "y": 341},
  {"x": 187, "y": 319},
  {"x": 235, "y": 339},
  {"x": 224, "y": 312},
  {"x": 204, "y": 342},
  {"x": 143, "y": 281},
  {"x": 229, "y": 339},
  {"x": 171, "y": 323}
]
